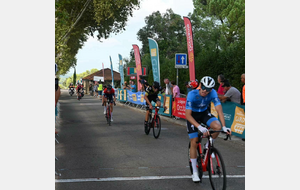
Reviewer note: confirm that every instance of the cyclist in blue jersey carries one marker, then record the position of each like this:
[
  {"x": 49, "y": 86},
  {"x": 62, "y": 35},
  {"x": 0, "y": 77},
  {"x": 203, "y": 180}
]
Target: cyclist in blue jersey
[{"x": 197, "y": 112}]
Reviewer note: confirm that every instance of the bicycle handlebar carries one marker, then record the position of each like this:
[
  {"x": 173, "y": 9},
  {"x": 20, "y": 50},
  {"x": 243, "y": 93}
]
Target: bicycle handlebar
[{"x": 221, "y": 131}]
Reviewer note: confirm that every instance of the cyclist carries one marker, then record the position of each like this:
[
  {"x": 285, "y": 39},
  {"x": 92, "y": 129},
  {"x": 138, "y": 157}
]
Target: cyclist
[
  {"x": 78, "y": 89},
  {"x": 108, "y": 95},
  {"x": 151, "y": 95},
  {"x": 197, "y": 112}
]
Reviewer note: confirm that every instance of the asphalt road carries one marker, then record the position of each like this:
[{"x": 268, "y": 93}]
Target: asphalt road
[{"x": 93, "y": 155}]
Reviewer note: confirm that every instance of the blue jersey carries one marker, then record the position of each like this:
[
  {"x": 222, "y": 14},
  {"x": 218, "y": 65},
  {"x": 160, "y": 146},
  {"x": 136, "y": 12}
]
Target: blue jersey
[{"x": 197, "y": 103}]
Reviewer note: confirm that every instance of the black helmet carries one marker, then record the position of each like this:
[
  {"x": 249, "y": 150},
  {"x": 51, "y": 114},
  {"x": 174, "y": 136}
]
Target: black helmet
[
  {"x": 109, "y": 87},
  {"x": 155, "y": 84}
]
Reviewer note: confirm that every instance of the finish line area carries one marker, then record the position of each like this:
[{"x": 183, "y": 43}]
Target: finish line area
[{"x": 135, "y": 178}]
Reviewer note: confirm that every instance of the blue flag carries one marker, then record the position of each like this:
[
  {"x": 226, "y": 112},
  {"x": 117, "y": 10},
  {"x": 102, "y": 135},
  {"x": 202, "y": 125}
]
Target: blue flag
[
  {"x": 154, "y": 59},
  {"x": 112, "y": 73},
  {"x": 121, "y": 69}
]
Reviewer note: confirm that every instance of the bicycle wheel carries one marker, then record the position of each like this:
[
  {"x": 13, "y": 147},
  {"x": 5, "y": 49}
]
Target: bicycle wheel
[
  {"x": 216, "y": 170},
  {"x": 199, "y": 161},
  {"x": 108, "y": 116},
  {"x": 148, "y": 127},
  {"x": 156, "y": 127}
]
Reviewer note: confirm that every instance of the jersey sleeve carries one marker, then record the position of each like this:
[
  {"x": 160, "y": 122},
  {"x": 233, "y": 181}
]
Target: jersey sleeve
[
  {"x": 147, "y": 90},
  {"x": 215, "y": 98},
  {"x": 189, "y": 101}
]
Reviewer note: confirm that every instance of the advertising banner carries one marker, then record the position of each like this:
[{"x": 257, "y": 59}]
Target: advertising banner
[
  {"x": 122, "y": 95},
  {"x": 234, "y": 115},
  {"x": 162, "y": 111},
  {"x": 153, "y": 47},
  {"x": 190, "y": 47},
  {"x": 138, "y": 63},
  {"x": 136, "y": 97},
  {"x": 112, "y": 73},
  {"x": 178, "y": 107},
  {"x": 121, "y": 70}
]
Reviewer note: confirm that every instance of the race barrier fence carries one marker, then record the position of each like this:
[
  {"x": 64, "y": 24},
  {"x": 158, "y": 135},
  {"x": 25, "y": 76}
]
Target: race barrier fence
[{"x": 234, "y": 114}]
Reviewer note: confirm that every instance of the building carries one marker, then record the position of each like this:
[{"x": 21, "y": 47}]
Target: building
[{"x": 107, "y": 78}]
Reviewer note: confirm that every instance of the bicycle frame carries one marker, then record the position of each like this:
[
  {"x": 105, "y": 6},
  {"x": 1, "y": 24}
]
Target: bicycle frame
[
  {"x": 204, "y": 158},
  {"x": 155, "y": 115}
]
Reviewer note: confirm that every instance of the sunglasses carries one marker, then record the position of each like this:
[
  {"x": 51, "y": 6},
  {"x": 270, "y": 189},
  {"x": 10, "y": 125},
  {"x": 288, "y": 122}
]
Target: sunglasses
[{"x": 204, "y": 88}]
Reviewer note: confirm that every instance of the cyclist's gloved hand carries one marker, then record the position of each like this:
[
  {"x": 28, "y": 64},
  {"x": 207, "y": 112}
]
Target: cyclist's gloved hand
[
  {"x": 114, "y": 103},
  {"x": 102, "y": 104},
  {"x": 226, "y": 130},
  {"x": 202, "y": 129}
]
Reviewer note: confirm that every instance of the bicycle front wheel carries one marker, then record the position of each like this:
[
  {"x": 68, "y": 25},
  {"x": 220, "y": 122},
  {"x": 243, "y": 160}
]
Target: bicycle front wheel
[
  {"x": 216, "y": 170},
  {"x": 156, "y": 127},
  {"x": 108, "y": 116}
]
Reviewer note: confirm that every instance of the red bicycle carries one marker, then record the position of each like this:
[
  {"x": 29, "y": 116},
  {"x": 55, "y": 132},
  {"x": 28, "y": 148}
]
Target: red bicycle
[
  {"x": 210, "y": 160},
  {"x": 108, "y": 112},
  {"x": 153, "y": 122}
]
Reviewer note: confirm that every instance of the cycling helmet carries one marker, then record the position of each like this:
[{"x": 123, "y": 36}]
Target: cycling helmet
[
  {"x": 194, "y": 83},
  {"x": 155, "y": 84},
  {"x": 208, "y": 82},
  {"x": 109, "y": 87}
]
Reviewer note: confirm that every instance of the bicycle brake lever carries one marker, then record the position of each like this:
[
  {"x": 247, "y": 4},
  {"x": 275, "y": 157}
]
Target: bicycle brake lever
[{"x": 227, "y": 136}]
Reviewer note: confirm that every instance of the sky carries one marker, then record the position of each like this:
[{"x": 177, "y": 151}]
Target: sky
[{"x": 94, "y": 53}]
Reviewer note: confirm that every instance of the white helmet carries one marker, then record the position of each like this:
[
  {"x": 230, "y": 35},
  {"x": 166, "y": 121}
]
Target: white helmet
[{"x": 208, "y": 82}]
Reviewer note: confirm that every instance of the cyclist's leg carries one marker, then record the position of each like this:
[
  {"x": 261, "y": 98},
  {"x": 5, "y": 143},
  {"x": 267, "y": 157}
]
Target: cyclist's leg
[
  {"x": 193, "y": 136},
  {"x": 212, "y": 122},
  {"x": 158, "y": 102}
]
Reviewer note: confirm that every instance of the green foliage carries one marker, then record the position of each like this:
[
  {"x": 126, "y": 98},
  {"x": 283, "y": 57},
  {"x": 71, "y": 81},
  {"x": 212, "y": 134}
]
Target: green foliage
[
  {"x": 75, "y": 20},
  {"x": 66, "y": 82},
  {"x": 219, "y": 41}
]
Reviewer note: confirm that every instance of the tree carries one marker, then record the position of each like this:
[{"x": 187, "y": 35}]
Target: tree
[{"x": 77, "y": 19}]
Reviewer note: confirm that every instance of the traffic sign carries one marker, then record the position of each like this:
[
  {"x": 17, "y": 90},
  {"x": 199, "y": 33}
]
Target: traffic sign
[{"x": 181, "y": 60}]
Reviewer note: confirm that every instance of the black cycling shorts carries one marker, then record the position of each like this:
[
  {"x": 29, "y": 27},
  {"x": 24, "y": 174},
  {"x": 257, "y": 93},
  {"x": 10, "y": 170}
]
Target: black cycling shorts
[
  {"x": 109, "y": 97},
  {"x": 201, "y": 117}
]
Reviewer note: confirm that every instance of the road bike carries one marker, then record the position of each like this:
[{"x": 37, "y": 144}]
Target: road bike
[
  {"x": 210, "y": 160},
  {"x": 153, "y": 122},
  {"x": 108, "y": 113}
]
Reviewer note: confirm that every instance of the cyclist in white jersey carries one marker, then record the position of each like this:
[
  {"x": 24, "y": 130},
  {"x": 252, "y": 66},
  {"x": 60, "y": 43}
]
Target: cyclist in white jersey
[{"x": 197, "y": 112}]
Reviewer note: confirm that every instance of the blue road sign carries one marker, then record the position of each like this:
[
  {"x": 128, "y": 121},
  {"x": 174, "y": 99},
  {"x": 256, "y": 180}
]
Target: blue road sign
[{"x": 180, "y": 60}]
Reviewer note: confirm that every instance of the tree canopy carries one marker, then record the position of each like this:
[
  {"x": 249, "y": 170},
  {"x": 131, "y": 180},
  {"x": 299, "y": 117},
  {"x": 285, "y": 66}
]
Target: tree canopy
[{"x": 75, "y": 20}]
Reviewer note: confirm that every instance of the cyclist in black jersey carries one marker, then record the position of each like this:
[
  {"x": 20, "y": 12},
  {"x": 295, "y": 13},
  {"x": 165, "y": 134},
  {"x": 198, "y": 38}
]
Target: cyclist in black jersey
[{"x": 151, "y": 95}]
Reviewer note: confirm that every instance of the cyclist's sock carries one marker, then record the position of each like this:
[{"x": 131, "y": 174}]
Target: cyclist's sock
[
  {"x": 111, "y": 114},
  {"x": 194, "y": 165}
]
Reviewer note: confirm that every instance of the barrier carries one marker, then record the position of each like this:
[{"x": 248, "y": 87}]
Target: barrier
[
  {"x": 234, "y": 115},
  {"x": 122, "y": 95}
]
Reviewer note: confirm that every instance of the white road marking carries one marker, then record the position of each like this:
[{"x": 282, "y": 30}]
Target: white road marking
[{"x": 134, "y": 178}]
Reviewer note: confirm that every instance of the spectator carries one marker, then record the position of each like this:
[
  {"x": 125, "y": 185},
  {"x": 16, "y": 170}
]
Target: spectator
[
  {"x": 144, "y": 84},
  {"x": 168, "y": 91},
  {"x": 243, "y": 90},
  {"x": 57, "y": 92},
  {"x": 188, "y": 87},
  {"x": 221, "y": 90},
  {"x": 169, "y": 87},
  {"x": 133, "y": 87},
  {"x": 176, "y": 90},
  {"x": 232, "y": 94},
  {"x": 176, "y": 93},
  {"x": 91, "y": 89},
  {"x": 126, "y": 86},
  {"x": 100, "y": 88}
]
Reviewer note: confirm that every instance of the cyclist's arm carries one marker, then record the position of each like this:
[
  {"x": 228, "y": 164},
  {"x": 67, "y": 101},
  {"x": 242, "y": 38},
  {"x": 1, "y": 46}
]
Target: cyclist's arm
[
  {"x": 219, "y": 110},
  {"x": 147, "y": 100}
]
